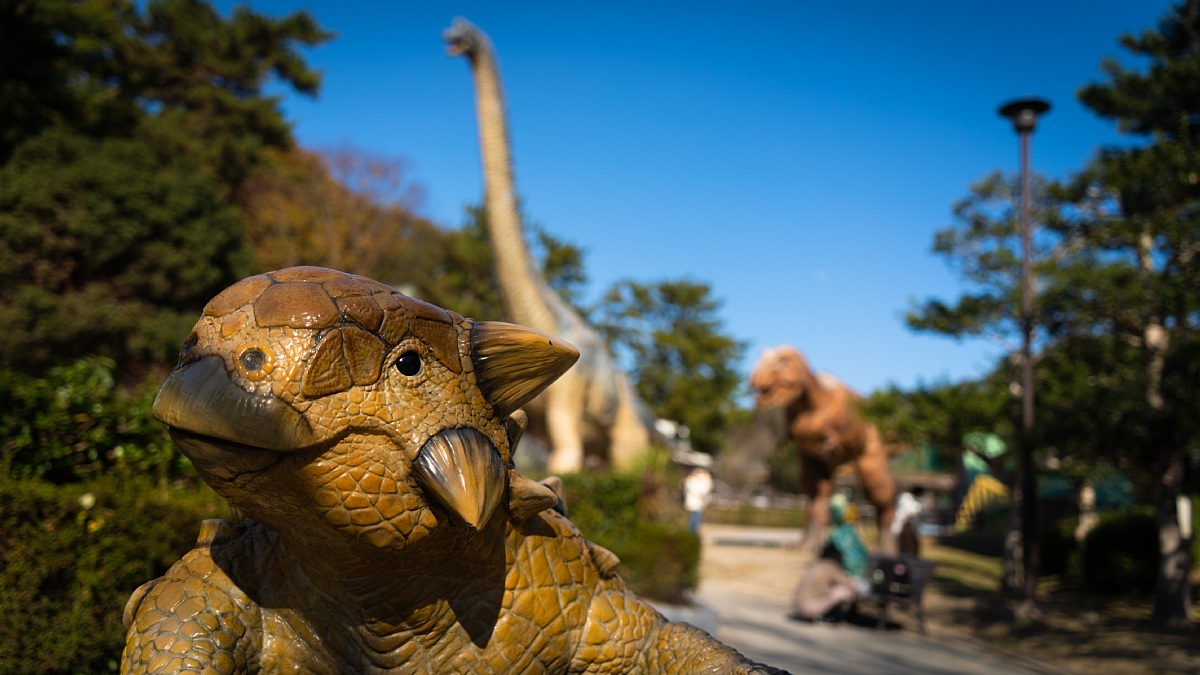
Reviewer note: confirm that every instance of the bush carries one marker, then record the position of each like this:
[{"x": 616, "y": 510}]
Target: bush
[
  {"x": 77, "y": 422},
  {"x": 70, "y": 556},
  {"x": 1058, "y": 547},
  {"x": 660, "y": 559},
  {"x": 1121, "y": 553}
]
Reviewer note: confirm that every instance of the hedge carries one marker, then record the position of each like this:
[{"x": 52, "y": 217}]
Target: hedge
[
  {"x": 71, "y": 555},
  {"x": 660, "y": 557}
]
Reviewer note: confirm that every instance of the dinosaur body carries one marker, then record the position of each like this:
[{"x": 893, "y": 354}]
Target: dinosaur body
[
  {"x": 821, "y": 419},
  {"x": 367, "y": 439},
  {"x": 592, "y": 410}
]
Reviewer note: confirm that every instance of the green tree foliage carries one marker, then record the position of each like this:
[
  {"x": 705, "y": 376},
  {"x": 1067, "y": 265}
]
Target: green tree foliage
[
  {"x": 682, "y": 362},
  {"x": 562, "y": 265},
  {"x": 56, "y": 60},
  {"x": 126, "y": 133},
  {"x": 1135, "y": 217},
  {"x": 174, "y": 71},
  {"x": 941, "y": 415},
  {"x": 200, "y": 76},
  {"x": 107, "y": 249},
  {"x": 983, "y": 247},
  {"x": 462, "y": 278}
]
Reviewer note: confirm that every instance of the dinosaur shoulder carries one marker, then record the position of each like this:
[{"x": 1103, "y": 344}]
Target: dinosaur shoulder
[
  {"x": 550, "y": 539},
  {"x": 194, "y": 611},
  {"x": 547, "y": 530}
]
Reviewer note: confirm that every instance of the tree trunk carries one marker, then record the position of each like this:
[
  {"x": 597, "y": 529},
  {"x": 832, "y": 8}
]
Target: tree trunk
[
  {"x": 1171, "y": 589},
  {"x": 1012, "y": 579},
  {"x": 1171, "y": 592}
]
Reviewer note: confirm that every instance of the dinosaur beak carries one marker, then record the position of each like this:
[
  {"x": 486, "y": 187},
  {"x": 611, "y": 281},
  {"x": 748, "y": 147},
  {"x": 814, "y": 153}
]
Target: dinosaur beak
[
  {"x": 199, "y": 398},
  {"x": 513, "y": 364},
  {"x": 461, "y": 470}
]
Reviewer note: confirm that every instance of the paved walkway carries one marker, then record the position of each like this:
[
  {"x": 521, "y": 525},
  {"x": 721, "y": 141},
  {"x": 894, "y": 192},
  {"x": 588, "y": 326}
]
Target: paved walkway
[{"x": 746, "y": 580}]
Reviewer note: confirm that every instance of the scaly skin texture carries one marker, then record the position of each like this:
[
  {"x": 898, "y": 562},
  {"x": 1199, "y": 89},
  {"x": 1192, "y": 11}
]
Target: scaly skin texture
[
  {"x": 592, "y": 411},
  {"x": 828, "y": 432},
  {"x": 366, "y": 438}
]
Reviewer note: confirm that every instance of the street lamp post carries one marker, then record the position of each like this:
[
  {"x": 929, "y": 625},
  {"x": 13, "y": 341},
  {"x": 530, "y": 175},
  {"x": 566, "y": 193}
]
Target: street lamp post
[{"x": 1024, "y": 113}]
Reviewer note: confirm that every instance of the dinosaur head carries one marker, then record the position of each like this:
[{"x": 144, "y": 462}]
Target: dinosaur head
[
  {"x": 781, "y": 377},
  {"x": 312, "y": 399},
  {"x": 464, "y": 39}
]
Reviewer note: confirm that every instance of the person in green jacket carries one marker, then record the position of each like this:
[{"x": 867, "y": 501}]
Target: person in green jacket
[{"x": 845, "y": 539}]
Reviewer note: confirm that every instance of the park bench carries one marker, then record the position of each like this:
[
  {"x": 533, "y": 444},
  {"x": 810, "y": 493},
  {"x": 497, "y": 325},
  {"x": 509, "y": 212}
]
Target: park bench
[{"x": 898, "y": 580}]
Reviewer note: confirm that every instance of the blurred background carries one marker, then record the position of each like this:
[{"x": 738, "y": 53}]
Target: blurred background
[{"x": 699, "y": 182}]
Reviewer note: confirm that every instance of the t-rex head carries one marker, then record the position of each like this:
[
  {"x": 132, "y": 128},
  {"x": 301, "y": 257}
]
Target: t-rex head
[
  {"x": 781, "y": 377},
  {"x": 314, "y": 399}
]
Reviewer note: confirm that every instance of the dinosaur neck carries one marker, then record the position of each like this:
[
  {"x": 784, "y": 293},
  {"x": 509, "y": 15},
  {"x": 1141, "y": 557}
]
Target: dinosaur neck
[
  {"x": 389, "y": 584},
  {"x": 809, "y": 394},
  {"x": 521, "y": 287}
]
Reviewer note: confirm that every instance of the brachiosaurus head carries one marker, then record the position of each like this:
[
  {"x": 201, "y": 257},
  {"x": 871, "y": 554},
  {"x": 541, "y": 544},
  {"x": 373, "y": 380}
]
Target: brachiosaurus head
[
  {"x": 781, "y": 378},
  {"x": 312, "y": 399},
  {"x": 464, "y": 39}
]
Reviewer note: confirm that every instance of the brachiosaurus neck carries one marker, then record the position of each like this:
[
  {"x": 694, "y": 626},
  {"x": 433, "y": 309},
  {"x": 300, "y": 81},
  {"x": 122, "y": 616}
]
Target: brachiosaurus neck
[{"x": 521, "y": 286}]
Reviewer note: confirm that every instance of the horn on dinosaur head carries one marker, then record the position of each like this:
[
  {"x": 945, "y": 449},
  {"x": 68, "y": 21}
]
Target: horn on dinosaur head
[
  {"x": 461, "y": 470},
  {"x": 513, "y": 363}
]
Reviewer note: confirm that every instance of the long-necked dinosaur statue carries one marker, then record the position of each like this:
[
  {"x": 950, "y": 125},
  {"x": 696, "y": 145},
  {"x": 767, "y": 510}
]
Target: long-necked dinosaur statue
[
  {"x": 822, "y": 420},
  {"x": 592, "y": 410},
  {"x": 366, "y": 437}
]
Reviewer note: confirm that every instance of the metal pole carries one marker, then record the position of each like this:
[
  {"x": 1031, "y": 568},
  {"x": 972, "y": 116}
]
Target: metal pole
[
  {"x": 1024, "y": 116},
  {"x": 1026, "y": 292},
  {"x": 1029, "y": 526}
]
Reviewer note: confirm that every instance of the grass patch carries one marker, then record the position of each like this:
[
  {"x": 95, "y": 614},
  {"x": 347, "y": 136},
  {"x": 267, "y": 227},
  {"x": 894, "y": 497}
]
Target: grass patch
[
  {"x": 752, "y": 516},
  {"x": 973, "y": 571}
]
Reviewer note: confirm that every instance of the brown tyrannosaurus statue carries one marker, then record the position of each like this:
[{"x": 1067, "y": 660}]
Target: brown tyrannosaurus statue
[
  {"x": 366, "y": 437},
  {"x": 822, "y": 420}
]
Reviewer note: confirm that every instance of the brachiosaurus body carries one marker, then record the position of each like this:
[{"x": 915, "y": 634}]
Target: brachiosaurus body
[
  {"x": 592, "y": 410},
  {"x": 828, "y": 432},
  {"x": 367, "y": 438}
]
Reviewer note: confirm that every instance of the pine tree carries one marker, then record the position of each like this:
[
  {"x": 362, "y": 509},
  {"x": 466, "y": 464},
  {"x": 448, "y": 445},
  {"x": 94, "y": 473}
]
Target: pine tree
[
  {"x": 1138, "y": 209},
  {"x": 126, "y": 135}
]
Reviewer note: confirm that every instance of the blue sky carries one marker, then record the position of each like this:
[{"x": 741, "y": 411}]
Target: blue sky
[{"x": 796, "y": 156}]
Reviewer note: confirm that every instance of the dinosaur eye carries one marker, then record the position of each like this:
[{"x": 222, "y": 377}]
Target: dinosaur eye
[
  {"x": 253, "y": 360},
  {"x": 409, "y": 363}
]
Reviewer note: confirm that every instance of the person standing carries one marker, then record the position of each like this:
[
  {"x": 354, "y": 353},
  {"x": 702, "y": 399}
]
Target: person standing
[
  {"x": 697, "y": 488},
  {"x": 904, "y": 525}
]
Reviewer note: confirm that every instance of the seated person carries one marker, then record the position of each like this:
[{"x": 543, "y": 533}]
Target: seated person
[
  {"x": 826, "y": 591},
  {"x": 839, "y": 576}
]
